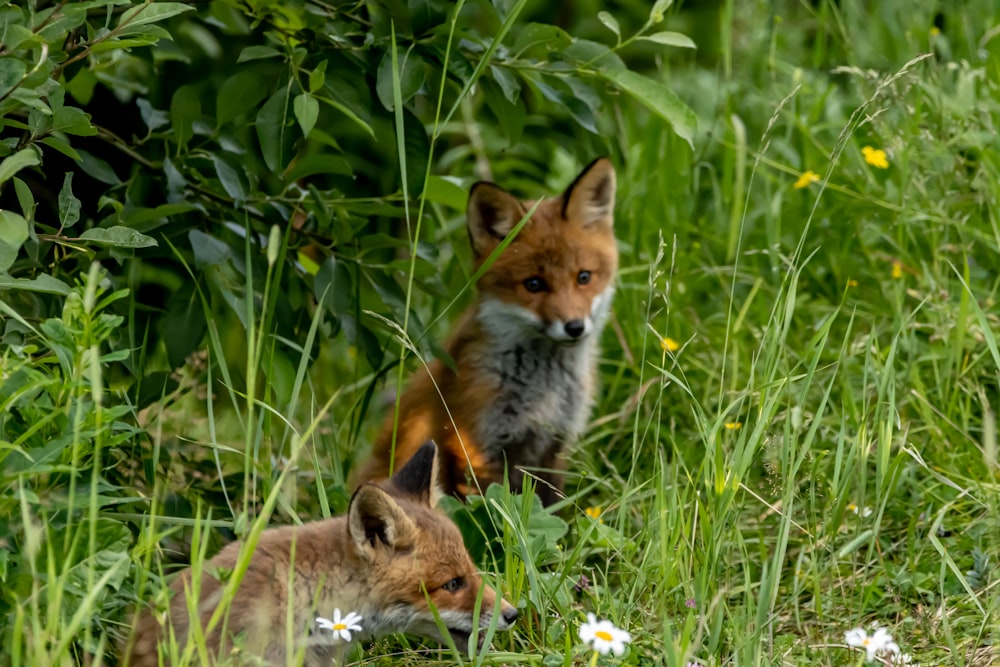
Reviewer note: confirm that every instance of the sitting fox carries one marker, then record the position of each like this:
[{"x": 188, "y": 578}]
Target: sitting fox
[
  {"x": 388, "y": 560},
  {"x": 525, "y": 352}
]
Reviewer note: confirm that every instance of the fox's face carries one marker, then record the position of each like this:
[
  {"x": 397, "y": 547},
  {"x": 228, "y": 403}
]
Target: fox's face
[
  {"x": 418, "y": 560},
  {"x": 556, "y": 277}
]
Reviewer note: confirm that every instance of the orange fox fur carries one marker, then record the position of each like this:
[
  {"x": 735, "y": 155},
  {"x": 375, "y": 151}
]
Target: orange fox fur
[
  {"x": 391, "y": 554},
  {"x": 525, "y": 352}
]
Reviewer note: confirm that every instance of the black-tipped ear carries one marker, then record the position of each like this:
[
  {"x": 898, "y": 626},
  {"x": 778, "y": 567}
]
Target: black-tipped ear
[
  {"x": 590, "y": 199},
  {"x": 492, "y": 213},
  {"x": 376, "y": 521},
  {"x": 419, "y": 477}
]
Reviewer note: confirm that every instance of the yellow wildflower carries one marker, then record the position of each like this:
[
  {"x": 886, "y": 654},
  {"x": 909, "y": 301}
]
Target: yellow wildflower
[
  {"x": 875, "y": 157},
  {"x": 594, "y": 513},
  {"x": 669, "y": 344},
  {"x": 897, "y": 269},
  {"x": 934, "y": 31},
  {"x": 732, "y": 426},
  {"x": 805, "y": 179},
  {"x": 852, "y": 283}
]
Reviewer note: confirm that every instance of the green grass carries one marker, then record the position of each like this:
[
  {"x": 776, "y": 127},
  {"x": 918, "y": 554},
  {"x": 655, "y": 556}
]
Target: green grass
[{"x": 838, "y": 353}]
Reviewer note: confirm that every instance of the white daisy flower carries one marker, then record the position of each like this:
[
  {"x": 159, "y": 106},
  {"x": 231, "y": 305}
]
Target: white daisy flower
[
  {"x": 879, "y": 642},
  {"x": 603, "y": 636},
  {"x": 340, "y": 627}
]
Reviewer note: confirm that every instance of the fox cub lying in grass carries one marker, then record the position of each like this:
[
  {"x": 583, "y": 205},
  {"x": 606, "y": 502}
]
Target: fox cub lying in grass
[
  {"x": 391, "y": 556},
  {"x": 525, "y": 352}
]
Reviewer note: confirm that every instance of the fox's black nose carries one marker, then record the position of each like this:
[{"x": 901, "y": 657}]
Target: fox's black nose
[
  {"x": 574, "y": 328},
  {"x": 510, "y": 614}
]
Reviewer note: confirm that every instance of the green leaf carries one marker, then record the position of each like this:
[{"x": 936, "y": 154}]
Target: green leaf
[
  {"x": 238, "y": 95},
  {"x": 118, "y": 237},
  {"x": 25, "y": 198},
  {"x": 151, "y": 13},
  {"x": 97, "y": 168},
  {"x": 58, "y": 144},
  {"x": 208, "y": 250},
  {"x": 69, "y": 206},
  {"x": 671, "y": 39},
  {"x": 411, "y": 78},
  {"x": 257, "y": 53},
  {"x": 306, "y": 112},
  {"x": 43, "y": 283},
  {"x": 658, "y": 98},
  {"x": 507, "y": 81},
  {"x": 317, "y": 77},
  {"x": 72, "y": 120},
  {"x": 26, "y": 157},
  {"x": 185, "y": 108},
  {"x": 417, "y": 147},
  {"x": 13, "y": 229},
  {"x": 12, "y": 70},
  {"x": 611, "y": 23},
  {"x": 270, "y": 125},
  {"x": 447, "y": 191},
  {"x": 659, "y": 7},
  {"x": 541, "y": 38},
  {"x": 233, "y": 180}
]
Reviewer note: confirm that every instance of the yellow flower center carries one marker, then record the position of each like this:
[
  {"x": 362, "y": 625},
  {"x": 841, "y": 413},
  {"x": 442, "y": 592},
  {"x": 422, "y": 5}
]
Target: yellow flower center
[
  {"x": 339, "y": 626},
  {"x": 866, "y": 641},
  {"x": 601, "y": 634}
]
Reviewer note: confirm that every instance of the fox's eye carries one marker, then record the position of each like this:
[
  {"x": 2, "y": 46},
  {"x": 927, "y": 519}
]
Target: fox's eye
[
  {"x": 454, "y": 585},
  {"x": 583, "y": 277},
  {"x": 535, "y": 284}
]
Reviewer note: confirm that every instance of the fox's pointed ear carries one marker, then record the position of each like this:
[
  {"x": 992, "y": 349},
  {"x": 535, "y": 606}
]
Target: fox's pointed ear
[
  {"x": 376, "y": 521},
  {"x": 419, "y": 477},
  {"x": 590, "y": 199},
  {"x": 492, "y": 213}
]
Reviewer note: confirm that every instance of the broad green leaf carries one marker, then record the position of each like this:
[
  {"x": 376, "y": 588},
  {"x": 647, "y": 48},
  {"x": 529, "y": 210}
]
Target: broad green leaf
[
  {"x": 208, "y": 250},
  {"x": 541, "y": 37},
  {"x": 72, "y": 120},
  {"x": 306, "y": 112},
  {"x": 659, "y": 7},
  {"x": 507, "y": 80},
  {"x": 43, "y": 283},
  {"x": 511, "y": 116},
  {"x": 411, "y": 77},
  {"x": 611, "y": 23},
  {"x": 447, "y": 191},
  {"x": 659, "y": 98},
  {"x": 25, "y": 198},
  {"x": 16, "y": 37},
  {"x": 8, "y": 254},
  {"x": 238, "y": 95},
  {"x": 12, "y": 70},
  {"x": 151, "y": 13},
  {"x": 319, "y": 163},
  {"x": 119, "y": 237},
  {"x": 671, "y": 39},
  {"x": 69, "y": 206},
  {"x": 257, "y": 53},
  {"x": 185, "y": 108},
  {"x": 136, "y": 41},
  {"x": 58, "y": 144},
  {"x": 317, "y": 77},
  {"x": 417, "y": 147},
  {"x": 152, "y": 117},
  {"x": 271, "y": 125},
  {"x": 97, "y": 168},
  {"x": 233, "y": 181},
  {"x": 13, "y": 229},
  {"x": 26, "y": 157}
]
